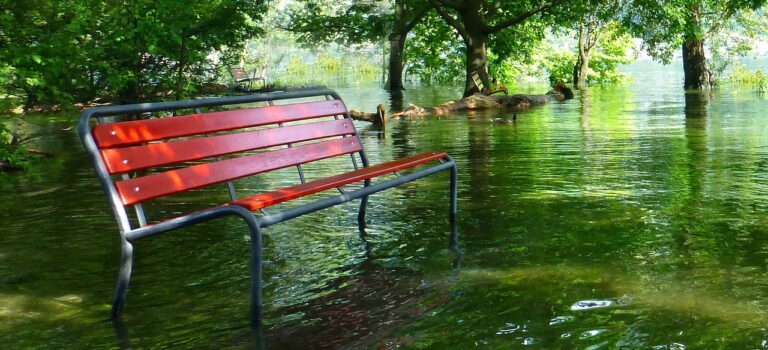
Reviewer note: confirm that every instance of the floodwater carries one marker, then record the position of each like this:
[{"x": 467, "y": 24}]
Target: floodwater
[{"x": 632, "y": 217}]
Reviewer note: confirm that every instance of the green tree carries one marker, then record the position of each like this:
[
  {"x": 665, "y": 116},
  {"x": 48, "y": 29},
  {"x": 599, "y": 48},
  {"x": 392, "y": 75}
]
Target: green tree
[
  {"x": 476, "y": 21},
  {"x": 687, "y": 24},
  {"x": 60, "y": 51},
  {"x": 434, "y": 52},
  {"x": 359, "y": 21},
  {"x": 595, "y": 25}
]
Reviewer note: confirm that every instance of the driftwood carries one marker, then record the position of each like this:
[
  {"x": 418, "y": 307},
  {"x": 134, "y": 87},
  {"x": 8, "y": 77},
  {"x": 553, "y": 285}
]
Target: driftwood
[
  {"x": 377, "y": 118},
  {"x": 484, "y": 102}
]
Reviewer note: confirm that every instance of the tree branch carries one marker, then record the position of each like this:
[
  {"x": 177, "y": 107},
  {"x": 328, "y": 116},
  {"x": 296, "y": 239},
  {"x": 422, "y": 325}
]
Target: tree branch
[
  {"x": 450, "y": 3},
  {"x": 522, "y": 17},
  {"x": 448, "y": 18},
  {"x": 416, "y": 19}
]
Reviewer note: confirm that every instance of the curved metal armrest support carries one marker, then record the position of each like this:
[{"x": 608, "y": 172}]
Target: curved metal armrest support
[{"x": 194, "y": 218}]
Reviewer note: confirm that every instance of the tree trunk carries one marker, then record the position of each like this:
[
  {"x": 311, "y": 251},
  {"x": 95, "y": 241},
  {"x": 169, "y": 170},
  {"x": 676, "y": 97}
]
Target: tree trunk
[
  {"x": 477, "y": 61},
  {"x": 182, "y": 65},
  {"x": 396, "y": 48},
  {"x": 581, "y": 69},
  {"x": 694, "y": 60},
  {"x": 695, "y": 65}
]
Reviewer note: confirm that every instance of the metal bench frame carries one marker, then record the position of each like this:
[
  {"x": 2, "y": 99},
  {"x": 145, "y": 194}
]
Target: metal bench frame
[
  {"x": 255, "y": 223},
  {"x": 240, "y": 77}
]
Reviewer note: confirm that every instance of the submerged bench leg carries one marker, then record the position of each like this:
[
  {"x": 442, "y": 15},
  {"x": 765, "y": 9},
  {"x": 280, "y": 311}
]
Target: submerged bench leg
[
  {"x": 454, "y": 193},
  {"x": 123, "y": 278},
  {"x": 363, "y": 206},
  {"x": 256, "y": 271},
  {"x": 454, "y": 240}
]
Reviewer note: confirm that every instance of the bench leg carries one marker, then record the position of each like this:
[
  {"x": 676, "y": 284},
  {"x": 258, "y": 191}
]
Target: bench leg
[
  {"x": 363, "y": 206},
  {"x": 454, "y": 194},
  {"x": 453, "y": 207},
  {"x": 123, "y": 278},
  {"x": 256, "y": 272}
]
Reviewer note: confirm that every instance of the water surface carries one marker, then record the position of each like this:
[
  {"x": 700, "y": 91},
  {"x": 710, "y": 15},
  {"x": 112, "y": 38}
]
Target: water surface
[{"x": 630, "y": 217}]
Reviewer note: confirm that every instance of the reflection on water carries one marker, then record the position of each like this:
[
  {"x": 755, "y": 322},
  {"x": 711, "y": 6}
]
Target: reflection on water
[{"x": 630, "y": 217}]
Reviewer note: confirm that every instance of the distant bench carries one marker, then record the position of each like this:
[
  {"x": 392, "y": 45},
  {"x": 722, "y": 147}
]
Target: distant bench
[
  {"x": 143, "y": 159},
  {"x": 240, "y": 77}
]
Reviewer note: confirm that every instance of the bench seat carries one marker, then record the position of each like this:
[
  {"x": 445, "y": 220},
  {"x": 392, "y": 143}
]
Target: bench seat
[{"x": 263, "y": 200}]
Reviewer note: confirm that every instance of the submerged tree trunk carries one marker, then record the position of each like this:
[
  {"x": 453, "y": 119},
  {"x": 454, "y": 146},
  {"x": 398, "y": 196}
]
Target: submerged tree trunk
[
  {"x": 695, "y": 65},
  {"x": 405, "y": 19},
  {"x": 396, "y": 48},
  {"x": 694, "y": 61},
  {"x": 475, "y": 21},
  {"x": 581, "y": 69}
]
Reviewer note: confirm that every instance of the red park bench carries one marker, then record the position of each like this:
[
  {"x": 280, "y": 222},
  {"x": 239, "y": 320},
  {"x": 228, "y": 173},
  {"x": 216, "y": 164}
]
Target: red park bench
[{"x": 147, "y": 157}]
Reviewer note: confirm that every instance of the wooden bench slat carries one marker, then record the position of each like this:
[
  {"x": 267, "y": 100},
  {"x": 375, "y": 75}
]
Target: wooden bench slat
[
  {"x": 140, "y": 189},
  {"x": 139, "y": 131},
  {"x": 121, "y": 160},
  {"x": 264, "y": 200}
]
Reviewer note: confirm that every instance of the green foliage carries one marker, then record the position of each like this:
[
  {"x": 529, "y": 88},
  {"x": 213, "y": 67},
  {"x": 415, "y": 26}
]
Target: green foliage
[
  {"x": 57, "y": 52},
  {"x": 10, "y": 151},
  {"x": 613, "y": 50},
  {"x": 735, "y": 39},
  {"x": 434, "y": 53},
  {"x": 740, "y": 75},
  {"x": 342, "y": 22},
  {"x": 296, "y": 68},
  {"x": 344, "y": 67},
  {"x": 664, "y": 26},
  {"x": 559, "y": 64}
]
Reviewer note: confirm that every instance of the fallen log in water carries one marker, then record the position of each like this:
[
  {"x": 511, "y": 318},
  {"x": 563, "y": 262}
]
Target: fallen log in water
[
  {"x": 378, "y": 118},
  {"x": 484, "y": 102}
]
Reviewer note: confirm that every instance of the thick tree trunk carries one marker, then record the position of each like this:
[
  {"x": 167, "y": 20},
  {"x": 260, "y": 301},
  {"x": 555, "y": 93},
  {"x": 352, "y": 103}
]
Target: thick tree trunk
[
  {"x": 477, "y": 61},
  {"x": 694, "y": 61},
  {"x": 695, "y": 65},
  {"x": 396, "y": 48}
]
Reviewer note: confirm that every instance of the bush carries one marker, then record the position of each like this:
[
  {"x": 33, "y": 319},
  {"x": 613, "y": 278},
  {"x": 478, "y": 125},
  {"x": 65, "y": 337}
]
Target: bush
[{"x": 740, "y": 75}]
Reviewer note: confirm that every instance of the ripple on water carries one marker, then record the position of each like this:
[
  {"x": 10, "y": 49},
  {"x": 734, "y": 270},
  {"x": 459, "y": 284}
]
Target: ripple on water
[
  {"x": 510, "y": 328},
  {"x": 560, "y": 320},
  {"x": 673, "y": 346},
  {"x": 584, "y": 305}
]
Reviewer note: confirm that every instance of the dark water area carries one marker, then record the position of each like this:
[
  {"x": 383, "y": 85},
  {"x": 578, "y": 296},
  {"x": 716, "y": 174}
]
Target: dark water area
[{"x": 632, "y": 217}]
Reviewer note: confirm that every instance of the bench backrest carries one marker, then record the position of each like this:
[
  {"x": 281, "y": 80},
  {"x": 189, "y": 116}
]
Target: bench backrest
[
  {"x": 193, "y": 144},
  {"x": 239, "y": 73}
]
